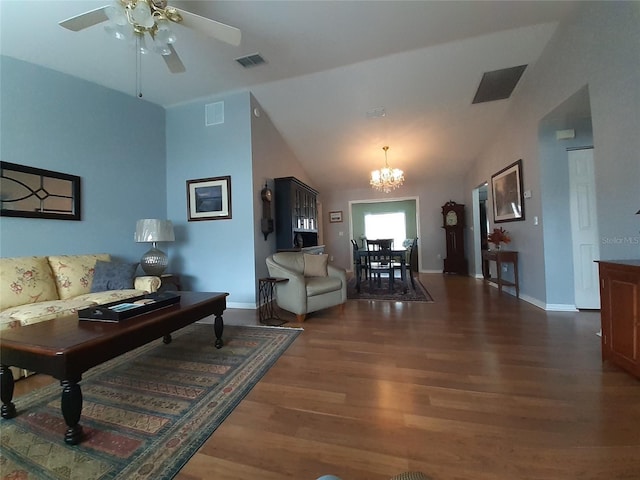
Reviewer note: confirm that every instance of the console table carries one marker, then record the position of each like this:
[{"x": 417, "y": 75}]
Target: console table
[{"x": 500, "y": 257}]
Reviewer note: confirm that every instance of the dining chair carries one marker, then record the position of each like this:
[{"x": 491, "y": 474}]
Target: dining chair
[
  {"x": 360, "y": 262},
  {"x": 413, "y": 260},
  {"x": 380, "y": 259}
]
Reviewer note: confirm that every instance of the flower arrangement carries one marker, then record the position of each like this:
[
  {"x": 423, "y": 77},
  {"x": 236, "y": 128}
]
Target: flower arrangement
[{"x": 498, "y": 236}]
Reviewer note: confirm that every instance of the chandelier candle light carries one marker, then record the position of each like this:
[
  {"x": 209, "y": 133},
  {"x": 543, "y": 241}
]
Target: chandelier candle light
[
  {"x": 386, "y": 179},
  {"x": 152, "y": 230}
]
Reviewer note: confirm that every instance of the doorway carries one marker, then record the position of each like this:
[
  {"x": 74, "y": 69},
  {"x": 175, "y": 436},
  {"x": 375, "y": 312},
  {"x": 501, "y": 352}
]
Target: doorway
[
  {"x": 408, "y": 206},
  {"x": 480, "y": 196},
  {"x": 584, "y": 228},
  {"x": 566, "y": 128}
]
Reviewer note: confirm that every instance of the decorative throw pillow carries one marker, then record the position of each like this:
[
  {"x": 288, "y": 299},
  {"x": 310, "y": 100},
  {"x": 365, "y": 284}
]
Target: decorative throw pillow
[
  {"x": 113, "y": 276},
  {"x": 315, "y": 265}
]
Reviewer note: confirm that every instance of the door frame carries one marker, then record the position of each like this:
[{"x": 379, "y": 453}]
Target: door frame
[{"x": 389, "y": 200}]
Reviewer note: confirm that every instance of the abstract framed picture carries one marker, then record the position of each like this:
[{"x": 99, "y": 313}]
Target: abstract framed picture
[
  {"x": 209, "y": 198},
  {"x": 36, "y": 193},
  {"x": 335, "y": 217},
  {"x": 508, "y": 198}
]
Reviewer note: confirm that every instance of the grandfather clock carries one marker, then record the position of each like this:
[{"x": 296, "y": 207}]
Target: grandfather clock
[{"x": 453, "y": 224}]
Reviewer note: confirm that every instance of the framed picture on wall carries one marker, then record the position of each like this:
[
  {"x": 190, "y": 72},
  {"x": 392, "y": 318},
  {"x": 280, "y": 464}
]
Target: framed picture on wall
[
  {"x": 209, "y": 198},
  {"x": 508, "y": 199},
  {"x": 36, "y": 193},
  {"x": 335, "y": 217}
]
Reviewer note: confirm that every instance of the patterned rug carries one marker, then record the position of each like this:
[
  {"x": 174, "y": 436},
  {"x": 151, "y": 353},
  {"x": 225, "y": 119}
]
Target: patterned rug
[
  {"x": 419, "y": 294},
  {"x": 144, "y": 413}
]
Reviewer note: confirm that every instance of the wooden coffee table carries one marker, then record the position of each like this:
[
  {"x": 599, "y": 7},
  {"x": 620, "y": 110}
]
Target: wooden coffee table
[{"x": 66, "y": 347}]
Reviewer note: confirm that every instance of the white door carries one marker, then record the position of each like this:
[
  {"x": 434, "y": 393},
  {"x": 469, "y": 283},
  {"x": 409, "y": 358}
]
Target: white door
[{"x": 584, "y": 229}]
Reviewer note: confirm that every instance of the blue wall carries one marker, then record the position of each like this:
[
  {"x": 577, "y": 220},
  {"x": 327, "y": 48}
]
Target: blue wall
[
  {"x": 114, "y": 142},
  {"x": 213, "y": 255}
]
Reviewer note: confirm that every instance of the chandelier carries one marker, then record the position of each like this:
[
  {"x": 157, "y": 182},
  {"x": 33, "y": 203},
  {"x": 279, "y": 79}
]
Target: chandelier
[
  {"x": 386, "y": 179},
  {"x": 132, "y": 20}
]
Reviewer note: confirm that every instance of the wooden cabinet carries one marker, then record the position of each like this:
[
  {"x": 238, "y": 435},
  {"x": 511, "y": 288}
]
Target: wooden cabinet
[
  {"x": 296, "y": 214},
  {"x": 620, "y": 316}
]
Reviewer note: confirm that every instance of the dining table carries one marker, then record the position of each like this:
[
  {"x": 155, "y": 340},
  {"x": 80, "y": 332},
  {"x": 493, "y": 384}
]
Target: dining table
[{"x": 399, "y": 254}]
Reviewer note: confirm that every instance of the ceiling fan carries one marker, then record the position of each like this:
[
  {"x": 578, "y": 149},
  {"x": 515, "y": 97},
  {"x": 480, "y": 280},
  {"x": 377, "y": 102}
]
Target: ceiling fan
[{"x": 135, "y": 20}]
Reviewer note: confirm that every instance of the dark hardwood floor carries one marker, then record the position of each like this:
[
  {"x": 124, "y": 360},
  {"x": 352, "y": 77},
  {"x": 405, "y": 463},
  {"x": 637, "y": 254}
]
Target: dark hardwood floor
[{"x": 474, "y": 386}]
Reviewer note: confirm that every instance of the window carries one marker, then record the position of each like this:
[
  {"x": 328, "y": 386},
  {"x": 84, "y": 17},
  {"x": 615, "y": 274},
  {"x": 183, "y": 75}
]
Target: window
[{"x": 386, "y": 225}]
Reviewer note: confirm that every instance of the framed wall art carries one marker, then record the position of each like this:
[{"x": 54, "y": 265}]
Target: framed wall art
[
  {"x": 36, "y": 193},
  {"x": 209, "y": 198},
  {"x": 508, "y": 198},
  {"x": 335, "y": 217}
]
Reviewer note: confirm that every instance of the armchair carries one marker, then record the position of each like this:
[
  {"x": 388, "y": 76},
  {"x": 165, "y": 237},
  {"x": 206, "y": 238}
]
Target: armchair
[{"x": 313, "y": 284}]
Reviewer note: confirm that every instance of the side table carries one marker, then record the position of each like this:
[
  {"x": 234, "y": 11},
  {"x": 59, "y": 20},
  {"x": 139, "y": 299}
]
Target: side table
[
  {"x": 170, "y": 281},
  {"x": 500, "y": 257},
  {"x": 267, "y": 312}
]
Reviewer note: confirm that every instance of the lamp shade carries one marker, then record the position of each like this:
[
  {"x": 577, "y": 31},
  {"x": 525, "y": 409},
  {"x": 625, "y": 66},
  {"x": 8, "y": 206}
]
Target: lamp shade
[{"x": 154, "y": 230}]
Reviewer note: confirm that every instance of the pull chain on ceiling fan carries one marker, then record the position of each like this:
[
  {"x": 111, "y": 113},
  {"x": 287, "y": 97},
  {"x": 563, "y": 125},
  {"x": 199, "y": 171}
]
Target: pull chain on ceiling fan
[{"x": 143, "y": 21}]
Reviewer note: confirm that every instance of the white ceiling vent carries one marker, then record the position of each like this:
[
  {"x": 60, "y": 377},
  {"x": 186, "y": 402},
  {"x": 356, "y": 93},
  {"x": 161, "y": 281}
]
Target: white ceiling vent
[
  {"x": 214, "y": 113},
  {"x": 251, "y": 60}
]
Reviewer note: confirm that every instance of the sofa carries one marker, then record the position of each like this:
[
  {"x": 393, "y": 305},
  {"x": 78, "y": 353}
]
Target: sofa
[
  {"x": 312, "y": 283},
  {"x": 35, "y": 289}
]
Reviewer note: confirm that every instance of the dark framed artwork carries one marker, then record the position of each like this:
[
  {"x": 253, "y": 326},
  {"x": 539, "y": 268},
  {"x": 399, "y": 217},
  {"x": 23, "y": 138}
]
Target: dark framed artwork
[
  {"x": 335, "y": 217},
  {"x": 508, "y": 196},
  {"x": 209, "y": 199},
  {"x": 36, "y": 193}
]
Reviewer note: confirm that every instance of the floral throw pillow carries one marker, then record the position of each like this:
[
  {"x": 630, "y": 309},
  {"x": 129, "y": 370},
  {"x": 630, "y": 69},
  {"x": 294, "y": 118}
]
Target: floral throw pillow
[
  {"x": 25, "y": 280},
  {"x": 74, "y": 273},
  {"x": 113, "y": 276}
]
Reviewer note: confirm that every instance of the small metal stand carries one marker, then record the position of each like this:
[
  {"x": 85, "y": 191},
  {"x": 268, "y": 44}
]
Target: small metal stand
[{"x": 267, "y": 312}]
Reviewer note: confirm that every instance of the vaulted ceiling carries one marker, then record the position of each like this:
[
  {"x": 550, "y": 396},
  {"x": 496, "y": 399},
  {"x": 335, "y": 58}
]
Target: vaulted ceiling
[{"x": 327, "y": 65}]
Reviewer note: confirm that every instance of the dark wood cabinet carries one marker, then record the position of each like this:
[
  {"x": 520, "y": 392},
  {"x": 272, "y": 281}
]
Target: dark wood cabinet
[
  {"x": 620, "y": 313},
  {"x": 296, "y": 214}
]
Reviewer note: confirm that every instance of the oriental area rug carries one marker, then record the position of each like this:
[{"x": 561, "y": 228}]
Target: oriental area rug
[
  {"x": 375, "y": 292},
  {"x": 144, "y": 413}
]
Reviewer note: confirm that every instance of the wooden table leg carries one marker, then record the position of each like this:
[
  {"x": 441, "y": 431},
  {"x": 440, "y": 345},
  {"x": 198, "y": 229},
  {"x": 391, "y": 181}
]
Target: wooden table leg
[
  {"x": 218, "y": 327},
  {"x": 71, "y": 410},
  {"x": 8, "y": 409}
]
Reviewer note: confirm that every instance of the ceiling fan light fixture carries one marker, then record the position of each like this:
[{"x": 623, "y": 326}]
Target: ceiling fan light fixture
[
  {"x": 117, "y": 14},
  {"x": 141, "y": 14},
  {"x": 114, "y": 30},
  {"x": 161, "y": 48},
  {"x": 141, "y": 44},
  {"x": 164, "y": 34}
]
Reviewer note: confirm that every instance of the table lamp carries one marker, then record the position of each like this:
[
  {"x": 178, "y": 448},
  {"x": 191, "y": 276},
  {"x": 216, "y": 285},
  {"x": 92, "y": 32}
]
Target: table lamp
[{"x": 152, "y": 230}]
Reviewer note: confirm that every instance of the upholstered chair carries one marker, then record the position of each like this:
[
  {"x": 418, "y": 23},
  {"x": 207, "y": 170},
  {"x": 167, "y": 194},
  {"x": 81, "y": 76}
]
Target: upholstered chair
[{"x": 312, "y": 283}]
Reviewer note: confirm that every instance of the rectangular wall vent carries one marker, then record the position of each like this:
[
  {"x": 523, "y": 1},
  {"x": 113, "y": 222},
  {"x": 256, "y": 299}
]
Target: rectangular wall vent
[
  {"x": 251, "y": 60},
  {"x": 214, "y": 113},
  {"x": 498, "y": 84}
]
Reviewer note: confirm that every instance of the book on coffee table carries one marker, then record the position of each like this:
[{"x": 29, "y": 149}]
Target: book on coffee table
[{"x": 127, "y": 308}]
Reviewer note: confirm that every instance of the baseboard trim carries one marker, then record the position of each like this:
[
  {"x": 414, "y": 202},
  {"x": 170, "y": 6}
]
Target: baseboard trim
[
  {"x": 243, "y": 306},
  {"x": 561, "y": 307}
]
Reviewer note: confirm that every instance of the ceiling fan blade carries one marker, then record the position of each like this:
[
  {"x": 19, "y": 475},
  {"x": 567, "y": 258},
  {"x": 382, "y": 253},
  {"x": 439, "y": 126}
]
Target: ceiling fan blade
[
  {"x": 211, "y": 28},
  {"x": 173, "y": 61},
  {"x": 85, "y": 20}
]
